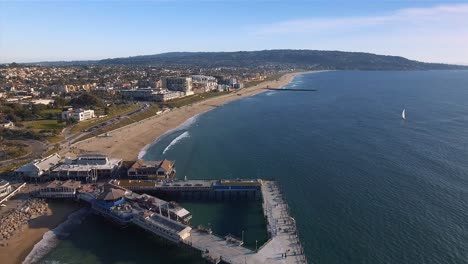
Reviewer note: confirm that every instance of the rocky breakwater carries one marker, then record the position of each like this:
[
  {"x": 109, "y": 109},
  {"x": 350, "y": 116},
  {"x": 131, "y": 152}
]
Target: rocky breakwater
[{"x": 13, "y": 221}]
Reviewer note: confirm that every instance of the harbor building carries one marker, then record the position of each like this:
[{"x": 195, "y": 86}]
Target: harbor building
[
  {"x": 109, "y": 201},
  {"x": 145, "y": 170},
  {"x": 175, "y": 83},
  {"x": 5, "y": 188},
  {"x": 38, "y": 169},
  {"x": 165, "y": 219},
  {"x": 60, "y": 189},
  {"x": 171, "y": 210},
  {"x": 86, "y": 168},
  {"x": 162, "y": 226},
  {"x": 77, "y": 114}
]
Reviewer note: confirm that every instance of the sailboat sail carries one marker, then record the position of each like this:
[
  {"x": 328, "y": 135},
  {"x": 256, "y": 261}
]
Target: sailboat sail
[{"x": 403, "y": 114}]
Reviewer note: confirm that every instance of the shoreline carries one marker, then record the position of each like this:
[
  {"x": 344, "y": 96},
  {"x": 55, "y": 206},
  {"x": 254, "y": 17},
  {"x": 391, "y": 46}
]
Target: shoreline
[
  {"x": 131, "y": 142},
  {"x": 22, "y": 243}
]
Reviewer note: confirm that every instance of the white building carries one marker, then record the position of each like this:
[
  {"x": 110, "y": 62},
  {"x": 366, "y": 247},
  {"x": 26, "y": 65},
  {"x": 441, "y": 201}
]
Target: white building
[
  {"x": 162, "y": 226},
  {"x": 42, "y": 101},
  {"x": 173, "y": 83},
  {"x": 6, "y": 124},
  {"x": 59, "y": 189},
  {"x": 5, "y": 188},
  {"x": 37, "y": 168},
  {"x": 77, "y": 114},
  {"x": 86, "y": 168},
  {"x": 167, "y": 95},
  {"x": 223, "y": 87},
  {"x": 204, "y": 83},
  {"x": 146, "y": 94}
]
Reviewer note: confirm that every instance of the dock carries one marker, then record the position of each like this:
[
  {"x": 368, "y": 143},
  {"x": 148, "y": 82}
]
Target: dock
[
  {"x": 117, "y": 201},
  {"x": 281, "y": 227},
  {"x": 197, "y": 189}
]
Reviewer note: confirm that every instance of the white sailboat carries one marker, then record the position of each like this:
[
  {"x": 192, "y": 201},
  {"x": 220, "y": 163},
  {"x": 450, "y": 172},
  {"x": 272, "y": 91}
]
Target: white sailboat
[{"x": 403, "y": 114}]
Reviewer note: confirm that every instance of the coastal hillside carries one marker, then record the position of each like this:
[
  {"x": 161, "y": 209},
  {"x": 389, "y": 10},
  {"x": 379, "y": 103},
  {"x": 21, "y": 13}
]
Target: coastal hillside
[{"x": 307, "y": 59}]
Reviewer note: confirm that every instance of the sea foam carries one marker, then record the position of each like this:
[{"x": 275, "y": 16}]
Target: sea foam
[
  {"x": 184, "y": 126},
  {"x": 176, "y": 140},
  {"x": 51, "y": 238}
]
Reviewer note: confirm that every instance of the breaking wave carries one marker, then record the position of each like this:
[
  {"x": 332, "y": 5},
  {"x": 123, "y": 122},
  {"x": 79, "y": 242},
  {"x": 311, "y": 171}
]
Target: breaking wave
[
  {"x": 176, "y": 140},
  {"x": 184, "y": 126},
  {"x": 51, "y": 238}
]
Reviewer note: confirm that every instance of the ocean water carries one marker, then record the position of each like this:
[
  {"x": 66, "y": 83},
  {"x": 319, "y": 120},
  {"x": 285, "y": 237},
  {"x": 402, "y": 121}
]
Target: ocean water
[{"x": 364, "y": 185}]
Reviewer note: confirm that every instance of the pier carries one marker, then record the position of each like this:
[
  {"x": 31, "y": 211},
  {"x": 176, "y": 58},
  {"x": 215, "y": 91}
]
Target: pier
[
  {"x": 118, "y": 202},
  {"x": 197, "y": 189}
]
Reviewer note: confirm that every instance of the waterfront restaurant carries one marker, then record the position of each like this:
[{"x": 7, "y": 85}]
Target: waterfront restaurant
[
  {"x": 60, "y": 189},
  {"x": 171, "y": 210},
  {"x": 110, "y": 202},
  {"x": 162, "y": 226},
  {"x": 35, "y": 170},
  {"x": 145, "y": 170},
  {"x": 87, "y": 168},
  {"x": 5, "y": 188}
]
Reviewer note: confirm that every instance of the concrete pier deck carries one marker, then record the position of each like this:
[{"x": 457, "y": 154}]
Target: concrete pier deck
[
  {"x": 118, "y": 203},
  {"x": 218, "y": 248},
  {"x": 283, "y": 237},
  {"x": 282, "y": 229}
]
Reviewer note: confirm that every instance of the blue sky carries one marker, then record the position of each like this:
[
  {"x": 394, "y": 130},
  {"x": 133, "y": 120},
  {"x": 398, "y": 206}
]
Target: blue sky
[{"x": 434, "y": 31}]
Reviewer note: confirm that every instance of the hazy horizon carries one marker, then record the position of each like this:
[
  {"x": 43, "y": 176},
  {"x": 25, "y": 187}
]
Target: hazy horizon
[{"x": 32, "y": 31}]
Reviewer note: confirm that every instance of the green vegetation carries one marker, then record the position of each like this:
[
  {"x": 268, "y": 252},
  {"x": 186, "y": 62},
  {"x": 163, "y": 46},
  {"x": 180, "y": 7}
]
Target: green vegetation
[
  {"x": 12, "y": 149},
  {"x": 11, "y": 167},
  {"x": 87, "y": 100},
  {"x": 45, "y": 124},
  {"x": 55, "y": 139},
  {"x": 304, "y": 59},
  {"x": 269, "y": 78},
  {"x": 21, "y": 134},
  {"x": 151, "y": 111},
  {"x": 113, "y": 112}
]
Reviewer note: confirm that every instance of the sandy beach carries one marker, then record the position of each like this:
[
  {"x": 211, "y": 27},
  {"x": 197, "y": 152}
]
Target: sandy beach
[
  {"x": 127, "y": 142},
  {"x": 22, "y": 243}
]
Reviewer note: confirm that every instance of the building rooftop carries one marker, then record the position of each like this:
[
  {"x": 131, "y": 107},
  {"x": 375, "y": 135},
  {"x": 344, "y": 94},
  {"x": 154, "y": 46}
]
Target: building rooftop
[
  {"x": 43, "y": 164},
  {"x": 4, "y": 183},
  {"x": 111, "y": 194},
  {"x": 67, "y": 184},
  {"x": 163, "y": 222}
]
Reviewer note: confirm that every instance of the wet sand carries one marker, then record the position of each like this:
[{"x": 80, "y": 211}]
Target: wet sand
[{"x": 22, "y": 243}]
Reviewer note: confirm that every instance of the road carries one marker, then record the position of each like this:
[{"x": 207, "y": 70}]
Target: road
[{"x": 35, "y": 149}]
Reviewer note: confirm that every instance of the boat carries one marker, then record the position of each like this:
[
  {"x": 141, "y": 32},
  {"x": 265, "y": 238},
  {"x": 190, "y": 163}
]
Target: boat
[{"x": 403, "y": 114}]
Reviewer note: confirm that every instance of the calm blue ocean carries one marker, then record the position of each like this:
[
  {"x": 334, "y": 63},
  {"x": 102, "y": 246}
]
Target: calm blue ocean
[{"x": 364, "y": 185}]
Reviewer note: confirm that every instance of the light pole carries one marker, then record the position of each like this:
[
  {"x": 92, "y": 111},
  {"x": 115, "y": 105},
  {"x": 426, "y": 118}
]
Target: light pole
[{"x": 256, "y": 245}]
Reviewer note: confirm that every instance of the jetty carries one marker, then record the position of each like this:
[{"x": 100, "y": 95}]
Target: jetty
[{"x": 290, "y": 90}]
